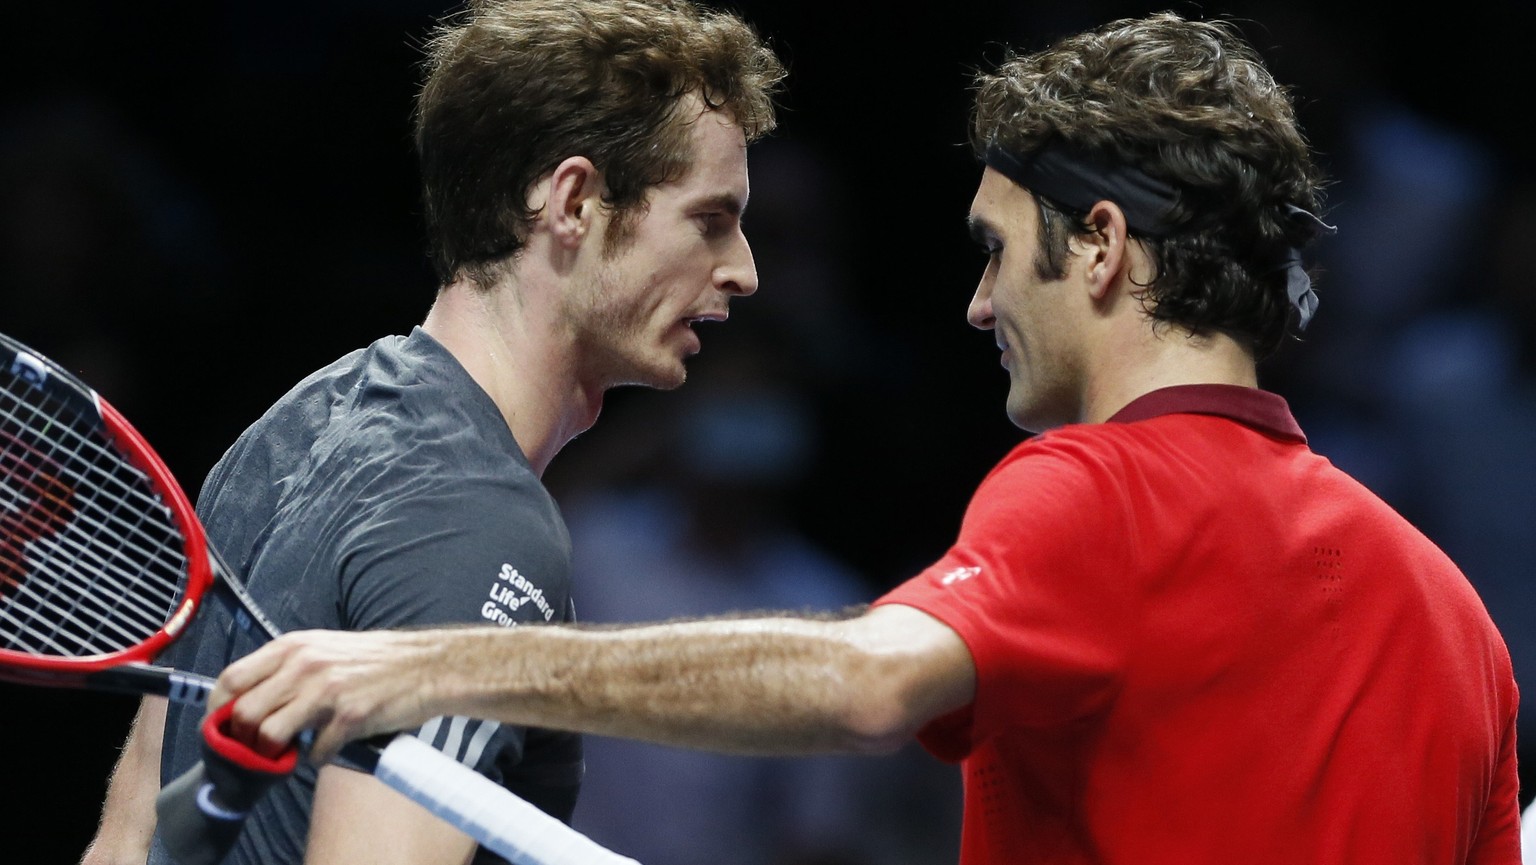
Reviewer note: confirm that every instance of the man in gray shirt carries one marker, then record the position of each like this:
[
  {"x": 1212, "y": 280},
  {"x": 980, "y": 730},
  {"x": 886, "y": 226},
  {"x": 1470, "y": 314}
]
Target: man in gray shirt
[{"x": 584, "y": 175}]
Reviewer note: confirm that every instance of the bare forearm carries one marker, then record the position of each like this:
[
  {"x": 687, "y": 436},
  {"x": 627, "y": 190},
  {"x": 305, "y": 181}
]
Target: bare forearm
[
  {"x": 780, "y": 685},
  {"x": 762, "y": 686}
]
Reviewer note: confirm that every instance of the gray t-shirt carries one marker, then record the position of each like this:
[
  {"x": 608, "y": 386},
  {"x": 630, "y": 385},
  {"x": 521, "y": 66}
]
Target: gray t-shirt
[{"x": 382, "y": 491}]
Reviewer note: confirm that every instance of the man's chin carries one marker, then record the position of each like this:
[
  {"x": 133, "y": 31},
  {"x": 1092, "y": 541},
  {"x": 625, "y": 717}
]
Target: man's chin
[
  {"x": 671, "y": 383},
  {"x": 659, "y": 377},
  {"x": 1037, "y": 416}
]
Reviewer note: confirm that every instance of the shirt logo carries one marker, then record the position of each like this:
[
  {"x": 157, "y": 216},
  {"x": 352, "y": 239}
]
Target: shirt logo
[
  {"x": 509, "y": 592},
  {"x": 957, "y": 575}
]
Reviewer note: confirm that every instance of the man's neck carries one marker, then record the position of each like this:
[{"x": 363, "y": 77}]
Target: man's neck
[
  {"x": 509, "y": 343},
  {"x": 1167, "y": 357}
]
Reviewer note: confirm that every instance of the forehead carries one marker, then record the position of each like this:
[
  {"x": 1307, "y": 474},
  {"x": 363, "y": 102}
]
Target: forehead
[
  {"x": 719, "y": 156},
  {"x": 1002, "y": 206}
]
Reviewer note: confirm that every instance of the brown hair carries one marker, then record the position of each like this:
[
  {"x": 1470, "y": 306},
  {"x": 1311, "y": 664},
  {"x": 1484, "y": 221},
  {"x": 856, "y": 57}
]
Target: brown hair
[
  {"x": 1189, "y": 103},
  {"x": 515, "y": 86}
]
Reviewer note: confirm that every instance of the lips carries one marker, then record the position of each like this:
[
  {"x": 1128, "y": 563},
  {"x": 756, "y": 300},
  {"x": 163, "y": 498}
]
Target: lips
[
  {"x": 1002, "y": 348},
  {"x": 720, "y": 315}
]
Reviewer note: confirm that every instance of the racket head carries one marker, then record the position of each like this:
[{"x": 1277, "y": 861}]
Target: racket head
[{"x": 102, "y": 558}]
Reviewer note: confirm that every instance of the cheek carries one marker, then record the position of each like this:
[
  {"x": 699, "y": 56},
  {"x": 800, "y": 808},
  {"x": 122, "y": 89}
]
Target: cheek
[
  {"x": 664, "y": 262},
  {"x": 630, "y": 285},
  {"x": 678, "y": 281},
  {"x": 1009, "y": 299}
]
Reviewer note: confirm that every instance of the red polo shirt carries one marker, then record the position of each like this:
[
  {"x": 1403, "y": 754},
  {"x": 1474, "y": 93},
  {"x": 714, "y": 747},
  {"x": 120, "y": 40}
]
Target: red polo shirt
[{"x": 1196, "y": 641}]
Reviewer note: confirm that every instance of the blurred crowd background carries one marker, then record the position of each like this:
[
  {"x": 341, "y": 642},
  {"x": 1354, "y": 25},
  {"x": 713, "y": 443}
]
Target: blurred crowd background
[{"x": 202, "y": 202}]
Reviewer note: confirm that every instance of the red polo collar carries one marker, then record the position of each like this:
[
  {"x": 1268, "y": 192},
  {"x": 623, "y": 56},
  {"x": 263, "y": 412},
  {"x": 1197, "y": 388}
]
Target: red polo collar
[{"x": 1264, "y": 411}]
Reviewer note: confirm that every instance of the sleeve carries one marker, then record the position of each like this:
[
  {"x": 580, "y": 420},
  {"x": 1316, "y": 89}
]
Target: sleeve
[
  {"x": 1528, "y": 833},
  {"x": 490, "y": 551},
  {"x": 1501, "y": 839},
  {"x": 1036, "y": 585},
  {"x": 481, "y": 551}
]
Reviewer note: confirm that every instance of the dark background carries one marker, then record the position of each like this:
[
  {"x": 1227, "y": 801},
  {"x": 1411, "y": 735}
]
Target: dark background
[{"x": 202, "y": 202}]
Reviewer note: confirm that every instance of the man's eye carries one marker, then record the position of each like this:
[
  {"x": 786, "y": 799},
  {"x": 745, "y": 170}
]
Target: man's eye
[{"x": 989, "y": 245}]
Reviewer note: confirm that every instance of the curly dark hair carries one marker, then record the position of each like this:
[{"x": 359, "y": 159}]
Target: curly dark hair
[
  {"x": 515, "y": 86},
  {"x": 1189, "y": 103}
]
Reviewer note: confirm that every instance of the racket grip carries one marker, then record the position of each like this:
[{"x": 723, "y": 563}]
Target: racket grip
[{"x": 201, "y": 812}]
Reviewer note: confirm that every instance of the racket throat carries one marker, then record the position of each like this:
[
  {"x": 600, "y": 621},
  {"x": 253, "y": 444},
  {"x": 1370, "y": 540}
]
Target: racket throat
[{"x": 177, "y": 687}]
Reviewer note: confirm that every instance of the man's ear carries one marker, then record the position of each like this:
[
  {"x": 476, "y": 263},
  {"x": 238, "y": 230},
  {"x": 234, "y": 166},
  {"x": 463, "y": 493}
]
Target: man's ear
[
  {"x": 1106, "y": 247},
  {"x": 573, "y": 193}
]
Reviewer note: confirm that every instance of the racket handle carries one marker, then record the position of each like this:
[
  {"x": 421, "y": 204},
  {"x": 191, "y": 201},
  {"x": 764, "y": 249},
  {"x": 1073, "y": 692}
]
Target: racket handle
[
  {"x": 201, "y": 812},
  {"x": 484, "y": 810}
]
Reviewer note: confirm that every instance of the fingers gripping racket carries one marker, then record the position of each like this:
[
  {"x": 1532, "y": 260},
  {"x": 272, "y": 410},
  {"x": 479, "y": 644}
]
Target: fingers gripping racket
[{"x": 103, "y": 562}]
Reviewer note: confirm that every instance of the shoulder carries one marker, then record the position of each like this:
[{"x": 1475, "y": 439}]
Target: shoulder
[
  {"x": 408, "y": 423},
  {"x": 1068, "y": 457},
  {"x": 1089, "y": 442},
  {"x": 284, "y": 429},
  {"x": 1166, "y": 447}
]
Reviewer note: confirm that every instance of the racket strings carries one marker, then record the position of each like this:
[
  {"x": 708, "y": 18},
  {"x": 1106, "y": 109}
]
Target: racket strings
[{"x": 91, "y": 558}]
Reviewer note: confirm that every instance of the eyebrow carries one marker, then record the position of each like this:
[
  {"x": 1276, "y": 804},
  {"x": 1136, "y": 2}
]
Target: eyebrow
[{"x": 724, "y": 201}]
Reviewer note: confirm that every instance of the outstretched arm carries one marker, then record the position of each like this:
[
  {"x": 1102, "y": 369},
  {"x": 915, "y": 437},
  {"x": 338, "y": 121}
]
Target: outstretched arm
[{"x": 779, "y": 685}]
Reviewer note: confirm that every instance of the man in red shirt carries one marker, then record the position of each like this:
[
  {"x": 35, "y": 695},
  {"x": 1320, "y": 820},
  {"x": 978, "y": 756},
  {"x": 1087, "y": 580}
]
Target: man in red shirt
[{"x": 1168, "y": 632}]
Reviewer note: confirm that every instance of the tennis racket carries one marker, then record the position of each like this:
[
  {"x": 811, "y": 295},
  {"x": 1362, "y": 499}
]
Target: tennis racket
[{"x": 103, "y": 562}]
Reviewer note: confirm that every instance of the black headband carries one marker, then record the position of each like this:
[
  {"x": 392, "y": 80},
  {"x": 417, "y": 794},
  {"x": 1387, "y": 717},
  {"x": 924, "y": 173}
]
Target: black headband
[{"x": 1078, "y": 181}]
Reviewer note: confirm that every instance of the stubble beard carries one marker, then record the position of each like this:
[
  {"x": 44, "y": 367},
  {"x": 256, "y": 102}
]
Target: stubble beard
[
  {"x": 1046, "y": 398},
  {"x": 614, "y": 341}
]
